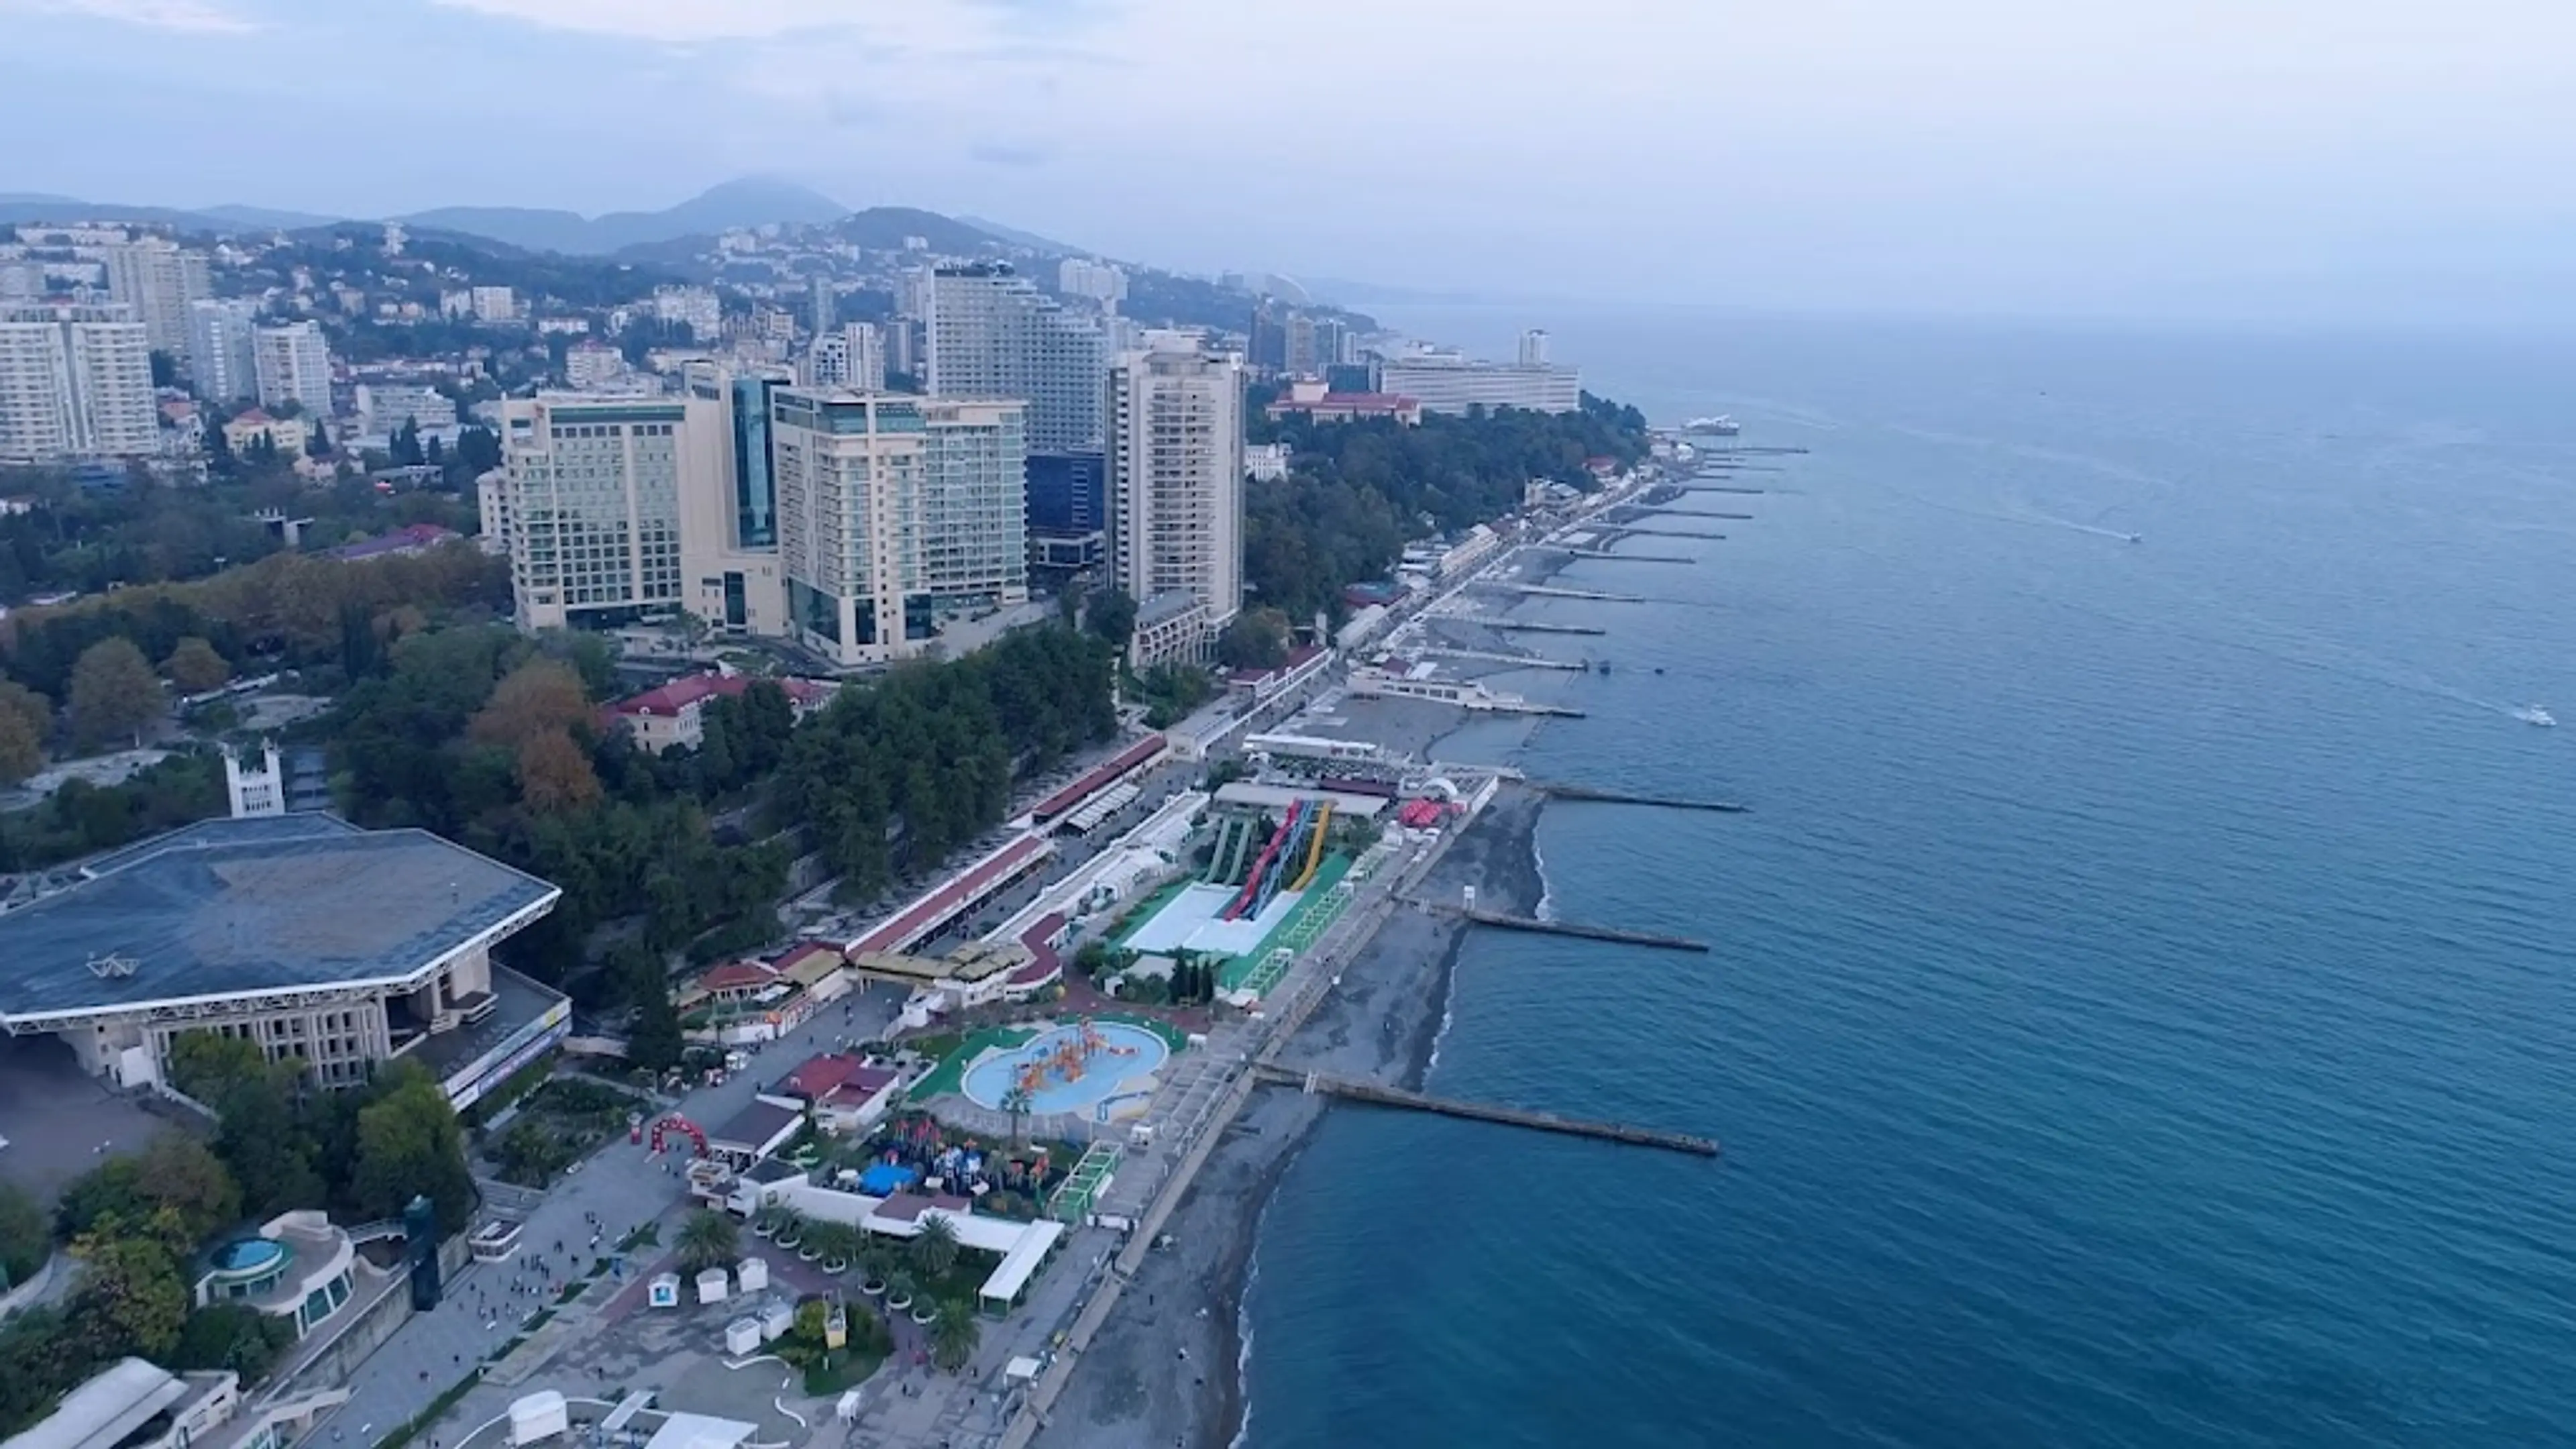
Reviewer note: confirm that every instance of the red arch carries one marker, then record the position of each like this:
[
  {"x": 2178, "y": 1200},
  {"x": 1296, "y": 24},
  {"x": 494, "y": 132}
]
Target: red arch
[{"x": 677, "y": 1123}]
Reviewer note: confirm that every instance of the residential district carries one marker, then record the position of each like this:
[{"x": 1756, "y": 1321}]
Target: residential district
[{"x": 499, "y": 944}]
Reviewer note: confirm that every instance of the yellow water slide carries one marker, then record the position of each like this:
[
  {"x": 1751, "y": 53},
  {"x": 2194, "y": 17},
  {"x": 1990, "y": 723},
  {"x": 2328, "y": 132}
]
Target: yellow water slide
[{"x": 1314, "y": 848}]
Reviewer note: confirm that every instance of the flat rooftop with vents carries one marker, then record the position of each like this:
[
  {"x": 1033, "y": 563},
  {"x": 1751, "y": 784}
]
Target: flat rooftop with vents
[{"x": 339, "y": 946}]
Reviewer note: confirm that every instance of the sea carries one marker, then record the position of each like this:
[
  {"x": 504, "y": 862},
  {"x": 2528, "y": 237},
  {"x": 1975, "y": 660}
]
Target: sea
[{"x": 2141, "y": 1012}]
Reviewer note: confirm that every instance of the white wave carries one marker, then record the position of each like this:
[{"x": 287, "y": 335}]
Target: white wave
[
  {"x": 1448, "y": 1019},
  {"x": 1545, "y": 910},
  {"x": 1243, "y": 1334}
]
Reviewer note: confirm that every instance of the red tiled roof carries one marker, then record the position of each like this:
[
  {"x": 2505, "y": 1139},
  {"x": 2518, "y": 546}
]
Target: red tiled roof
[
  {"x": 1297, "y": 657},
  {"x": 832, "y": 1072},
  {"x": 1045, "y": 962},
  {"x": 927, "y": 914},
  {"x": 798, "y": 955},
  {"x": 862, "y": 1087},
  {"x": 737, "y": 975},
  {"x": 1100, "y": 777},
  {"x": 679, "y": 694}
]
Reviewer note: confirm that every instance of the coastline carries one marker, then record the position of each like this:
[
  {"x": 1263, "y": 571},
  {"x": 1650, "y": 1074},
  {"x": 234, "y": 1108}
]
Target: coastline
[{"x": 1167, "y": 1368}]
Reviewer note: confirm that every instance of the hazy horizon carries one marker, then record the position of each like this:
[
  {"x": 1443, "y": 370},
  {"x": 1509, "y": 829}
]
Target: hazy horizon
[{"x": 2361, "y": 161}]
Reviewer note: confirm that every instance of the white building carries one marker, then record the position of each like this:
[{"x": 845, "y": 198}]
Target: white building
[
  {"x": 590, "y": 501},
  {"x": 730, "y": 574},
  {"x": 255, "y": 786},
  {"x": 593, "y": 364},
  {"x": 493, "y": 304},
  {"x": 383, "y": 408},
  {"x": 698, "y": 307},
  {"x": 895, "y": 512},
  {"x": 1444, "y": 384},
  {"x": 1265, "y": 462},
  {"x": 219, "y": 348},
  {"x": 158, "y": 280},
  {"x": 994, "y": 334},
  {"x": 292, "y": 364},
  {"x": 1534, "y": 348},
  {"x": 852, "y": 357},
  {"x": 1098, "y": 281},
  {"x": 75, "y": 381},
  {"x": 1175, "y": 470}
]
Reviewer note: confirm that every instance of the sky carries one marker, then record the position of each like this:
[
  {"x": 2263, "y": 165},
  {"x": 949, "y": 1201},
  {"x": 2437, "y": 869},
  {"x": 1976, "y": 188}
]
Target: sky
[{"x": 2314, "y": 158}]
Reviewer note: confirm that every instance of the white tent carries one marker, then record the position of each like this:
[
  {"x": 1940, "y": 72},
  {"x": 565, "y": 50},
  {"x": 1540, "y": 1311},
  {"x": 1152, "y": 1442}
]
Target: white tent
[{"x": 541, "y": 1415}]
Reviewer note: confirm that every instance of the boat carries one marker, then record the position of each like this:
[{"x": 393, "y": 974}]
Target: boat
[
  {"x": 2137, "y": 538},
  {"x": 2532, "y": 714},
  {"x": 1720, "y": 425}
]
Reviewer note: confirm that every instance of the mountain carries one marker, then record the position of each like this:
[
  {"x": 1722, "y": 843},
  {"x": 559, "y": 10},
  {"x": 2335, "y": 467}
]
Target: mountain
[
  {"x": 266, "y": 218},
  {"x": 1029, "y": 239},
  {"x": 26, "y": 206},
  {"x": 752, "y": 201}
]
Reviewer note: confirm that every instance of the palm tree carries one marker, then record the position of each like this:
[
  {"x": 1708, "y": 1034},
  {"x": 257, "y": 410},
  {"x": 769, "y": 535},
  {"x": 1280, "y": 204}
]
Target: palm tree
[
  {"x": 832, "y": 1242},
  {"x": 791, "y": 1228},
  {"x": 709, "y": 1240},
  {"x": 876, "y": 1260},
  {"x": 899, "y": 1291},
  {"x": 954, "y": 1335},
  {"x": 1017, "y": 1102},
  {"x": 935, "y": 1251}
]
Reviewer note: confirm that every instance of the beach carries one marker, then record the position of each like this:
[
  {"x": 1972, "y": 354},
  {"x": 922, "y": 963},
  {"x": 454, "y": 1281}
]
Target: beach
[{"x": 1166, "y": 1368}]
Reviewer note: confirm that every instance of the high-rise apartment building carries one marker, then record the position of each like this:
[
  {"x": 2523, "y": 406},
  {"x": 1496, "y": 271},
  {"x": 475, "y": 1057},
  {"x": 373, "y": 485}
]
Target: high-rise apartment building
[
  {"x": 292, "y": 364},
  {"x": 1446, "y": 384},
  {"x": 158, "y": 280},
  {"x": 1175, "y": 485},
  {"x": 994, "y": 334},
  {"x": 852, "y": 356},
  {"x": 895, "y": 512},
  {"x": 1097, "y": 281},
  {"x": 1534, "y": 348},
  {"x": 75, "y": 381},
  {"x": 590, "y": 501},
  {"x": 495, "y": 304},
  {"x": 219, "y": 348}
]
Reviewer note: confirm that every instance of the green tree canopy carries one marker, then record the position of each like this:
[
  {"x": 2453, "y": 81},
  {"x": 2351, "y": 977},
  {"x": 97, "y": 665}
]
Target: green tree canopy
[
  {"x": 409, "y": 1145},
  {"x": 114, "y": 692},
  {"x": 130, "y": 1301},
  {"x": 26, "y": 1239},
  {"x": 195, "y": 667}
]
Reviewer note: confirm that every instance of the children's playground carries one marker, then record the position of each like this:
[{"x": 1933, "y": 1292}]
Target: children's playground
[{"x": 1070, "y": 1068}]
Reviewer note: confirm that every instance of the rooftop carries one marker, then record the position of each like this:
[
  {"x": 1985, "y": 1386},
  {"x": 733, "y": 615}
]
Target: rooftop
[
  {"x": 230, "y": 908},
  {"x": 935, "y": 908},
  {"x": 679, "y": 694},
  {"x": 754, "y": 1125},
  {"x": 112, "y": 1405},
  {"x": 1099, "y": 777}
]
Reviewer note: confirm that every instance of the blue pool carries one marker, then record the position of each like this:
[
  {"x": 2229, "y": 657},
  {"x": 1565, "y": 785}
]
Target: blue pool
[
  {"x": 1067, "y": 1073},
  {"x": 885, "y": 1179},
  {"x": 247, "y": 1255}
]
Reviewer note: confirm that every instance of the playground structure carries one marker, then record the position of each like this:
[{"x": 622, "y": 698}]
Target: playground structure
[
  {"x": 1068, "y": 1058},
  {"x": 1286, "y": 860},
  {"x": 683, "y": 1126}
]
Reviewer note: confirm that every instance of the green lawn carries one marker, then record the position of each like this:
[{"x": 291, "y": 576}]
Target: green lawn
[{"x": 1298, "y": 929}]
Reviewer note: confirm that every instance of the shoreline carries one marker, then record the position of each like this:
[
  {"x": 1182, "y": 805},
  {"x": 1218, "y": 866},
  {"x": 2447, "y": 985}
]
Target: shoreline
[{"x": 1168, "y": 1366}]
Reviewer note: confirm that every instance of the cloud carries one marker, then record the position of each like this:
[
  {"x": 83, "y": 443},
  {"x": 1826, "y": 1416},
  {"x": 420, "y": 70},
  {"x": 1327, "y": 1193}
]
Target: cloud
[
  {"x": 1006, "y": 153},
  {"x": 188, "y": 17}
]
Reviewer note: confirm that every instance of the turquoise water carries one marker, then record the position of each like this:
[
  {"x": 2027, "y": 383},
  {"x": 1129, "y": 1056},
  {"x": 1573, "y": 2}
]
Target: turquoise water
[
  {"x": 1126, "y": 1053},
  {"x": 247, "y": 1254},
  {"x": 2141, "y": 1011}
]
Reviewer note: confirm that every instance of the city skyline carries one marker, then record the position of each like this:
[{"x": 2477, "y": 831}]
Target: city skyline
[{"x": 2357, "y": 160}]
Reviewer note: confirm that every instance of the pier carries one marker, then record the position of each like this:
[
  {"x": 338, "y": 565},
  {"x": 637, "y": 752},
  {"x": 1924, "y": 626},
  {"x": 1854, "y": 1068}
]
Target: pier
[
  {"x": 1527, "y": 626},
  {"x": 1644, "y": 532},
  {"x": 1670, "y": 511},
  {"x": 1357, "y": 1091},
  {"x": 1665, "y": 558},
  {"x": 1712, "y": 488},
  {"x": 1536, "y": 927},
  {"x": 1550, "y": 591},
  {"x": 1517, "y": 661},
  {"x": 1563, "y": 791}
]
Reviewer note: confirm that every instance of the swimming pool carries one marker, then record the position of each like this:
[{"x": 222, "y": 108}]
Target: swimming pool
[
  {"x": 247, "y": 1255},
  {"x": 1070, "y": 1068}
]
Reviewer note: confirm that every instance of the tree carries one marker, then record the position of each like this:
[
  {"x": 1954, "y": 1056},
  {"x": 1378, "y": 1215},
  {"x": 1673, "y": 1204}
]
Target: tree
[
  {"x": 22, "y": 753},
  {"x": 653, "y": 1038},
  {"x": 232, "y": 1336},
  {"x": 934, "y": 1252},
  {"x": 195, "y": 667},
  {"x": 1254, "y": 639},
  {"x": 406, "y": 444},
  {"x": 165, "y": 369},
  {"x": 1017, "y": 1102},
  {"x": 1111, "y": 614},
  {"x": 179, "y": 1174},
  {"x": 708, "y": 1239},
  {"x": 26, "y": 1239},
  {"x": 409, "y": 1145},
  {"x": 539, "y": 695},
  {"x": 130, "y": 1301},
  {"x": 317, "y": 442},
  {"x": 555, "y": 774},
  {"x": 114, "y": 692},
  {"x": 27, "y": 704},
  {"x": 954, "y": 1335}
]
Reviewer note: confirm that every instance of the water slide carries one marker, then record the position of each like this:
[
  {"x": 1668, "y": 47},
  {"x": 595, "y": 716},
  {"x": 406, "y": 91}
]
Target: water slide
[
  {"x": 1220, "y": 858},
  {"x": 1269, "y": 853},
  {"x": 1314, "y": 848}
]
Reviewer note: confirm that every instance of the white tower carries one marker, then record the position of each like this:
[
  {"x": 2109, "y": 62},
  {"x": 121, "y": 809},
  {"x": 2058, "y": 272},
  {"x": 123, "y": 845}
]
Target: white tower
[{"x": 256, "y": 789}]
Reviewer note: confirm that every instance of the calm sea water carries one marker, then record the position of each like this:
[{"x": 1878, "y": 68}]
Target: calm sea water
[{"x": 2142, "y": 1010}]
